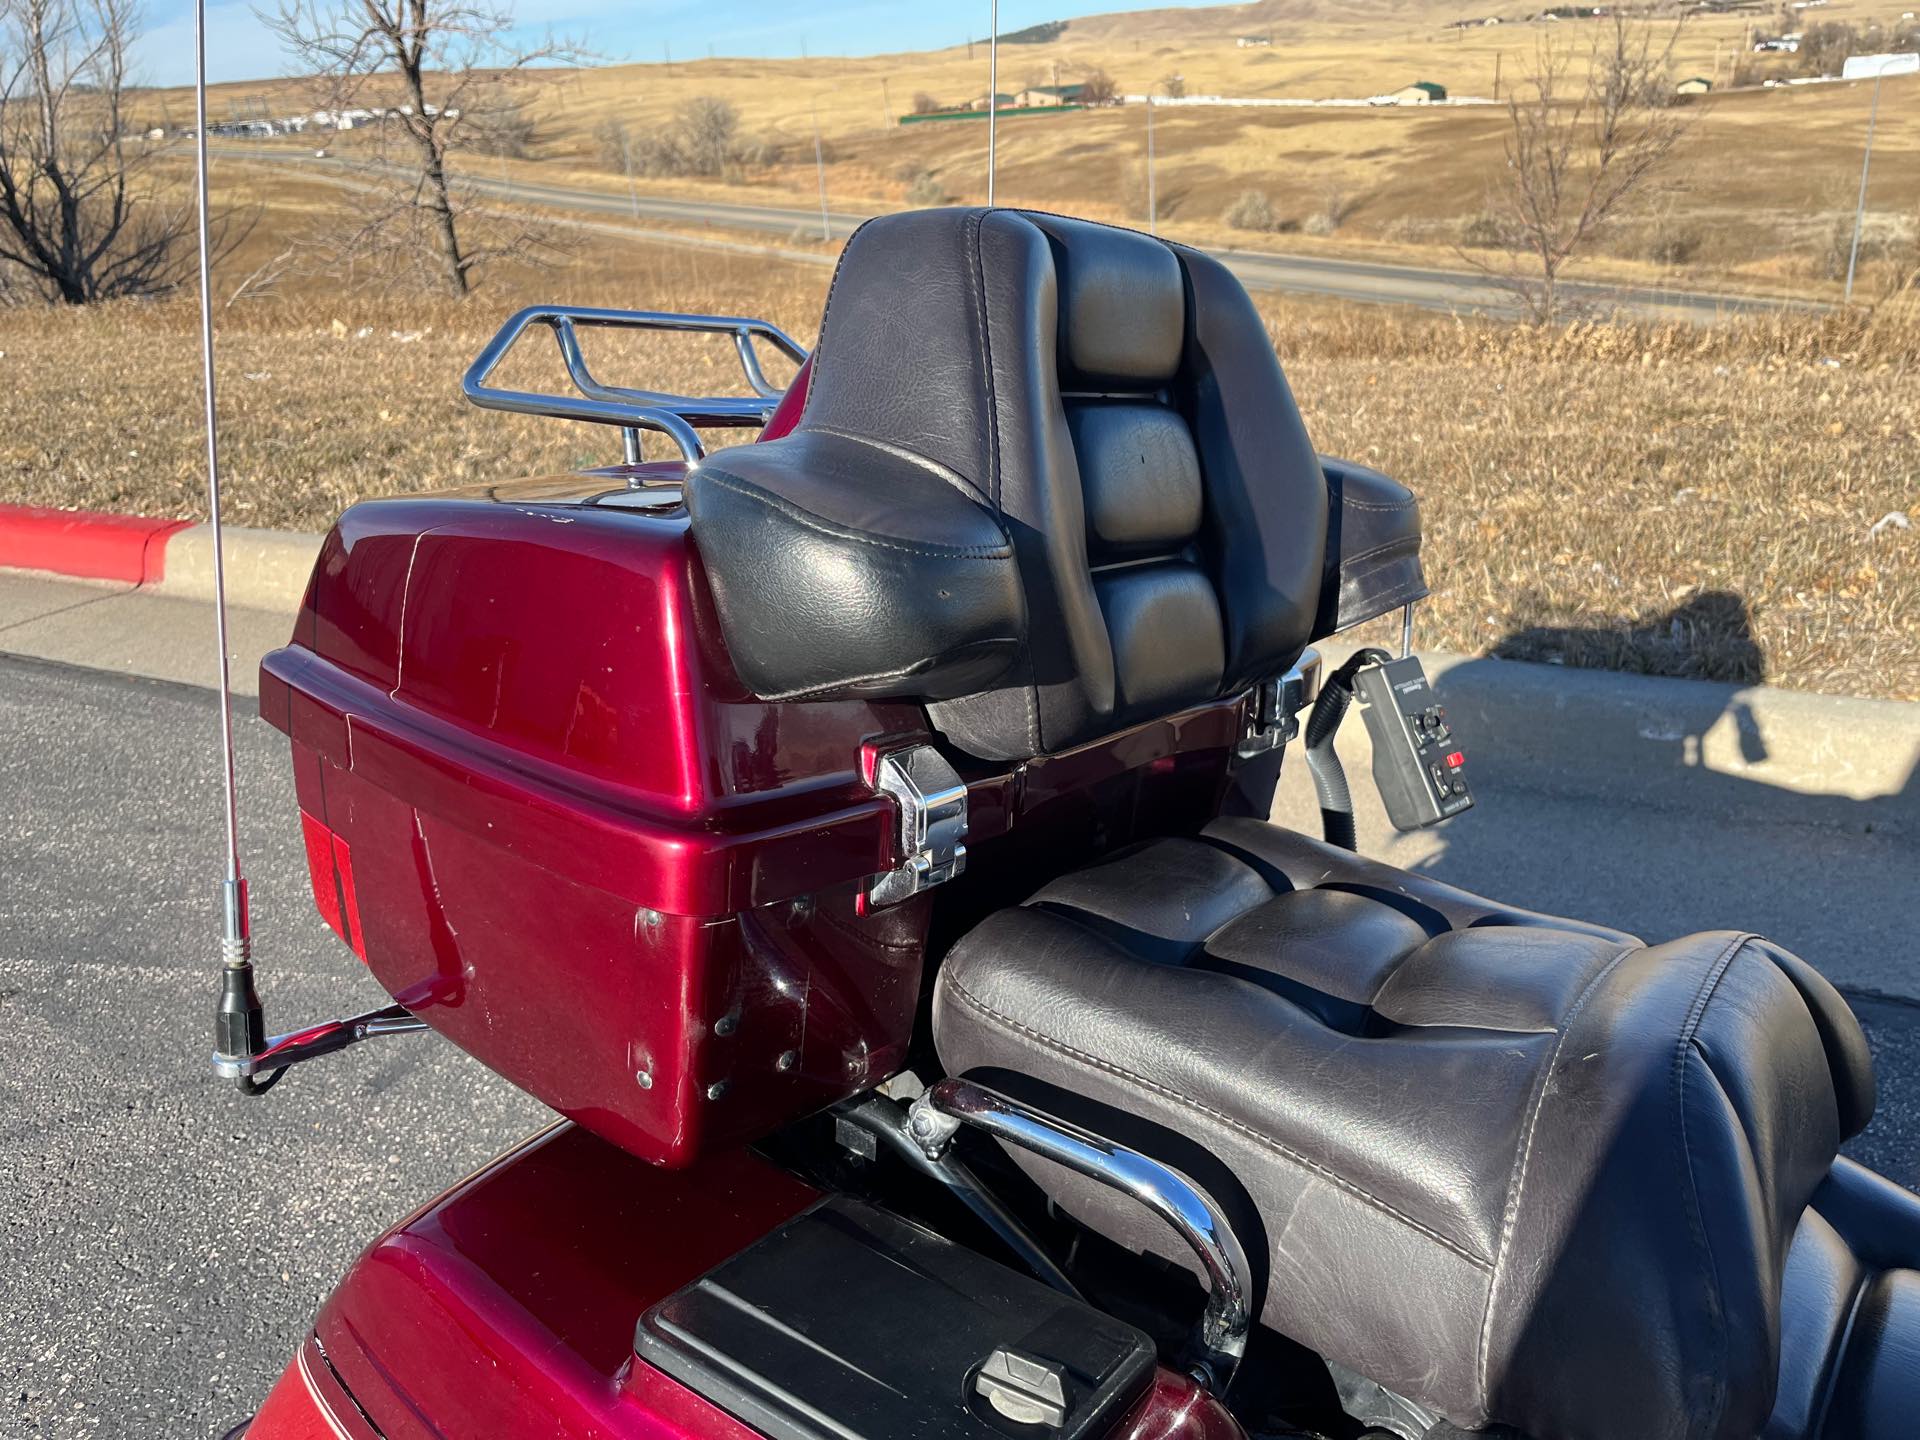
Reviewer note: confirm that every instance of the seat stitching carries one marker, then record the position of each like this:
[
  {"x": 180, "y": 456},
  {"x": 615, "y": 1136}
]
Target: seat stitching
[
  {"x": 1517, "y": 1179},
  {"x": 1260, "y": 1137},
  {"x": 1690, "y": 1187},
  {"x": 813, "y": 389},
  {"x": 977, "y": 281},
  {"x": 905, "y": 672},
  {"x": 747, "y": 491},
  {"x": 1407, "y": 504},
  {"x": 1391, "y": 545},
  {"x": 969, "y": 491}
]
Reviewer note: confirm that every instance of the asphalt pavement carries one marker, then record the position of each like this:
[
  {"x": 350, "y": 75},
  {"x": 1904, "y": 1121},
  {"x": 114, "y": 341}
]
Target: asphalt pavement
[{"x": 168, "y": 1241}]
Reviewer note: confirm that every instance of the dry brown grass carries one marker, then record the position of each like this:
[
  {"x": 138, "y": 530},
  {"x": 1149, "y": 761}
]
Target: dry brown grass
[{"x": 1591, "y": 495}]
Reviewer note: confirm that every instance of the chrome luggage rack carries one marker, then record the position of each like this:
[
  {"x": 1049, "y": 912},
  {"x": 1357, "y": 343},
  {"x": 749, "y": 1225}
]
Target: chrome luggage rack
[{"x": 678, "y": 417}]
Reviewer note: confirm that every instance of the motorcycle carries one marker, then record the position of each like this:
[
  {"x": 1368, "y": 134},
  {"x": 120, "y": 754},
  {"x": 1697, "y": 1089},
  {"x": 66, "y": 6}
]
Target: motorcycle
[{"x": 860, "y": 837}]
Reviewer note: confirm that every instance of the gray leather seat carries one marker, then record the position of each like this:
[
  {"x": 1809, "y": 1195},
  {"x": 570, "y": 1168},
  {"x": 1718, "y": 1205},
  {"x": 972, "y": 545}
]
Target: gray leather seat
[
  {"x": 1517, "y": 1168},
  {"x": 1049, "y": 481}
]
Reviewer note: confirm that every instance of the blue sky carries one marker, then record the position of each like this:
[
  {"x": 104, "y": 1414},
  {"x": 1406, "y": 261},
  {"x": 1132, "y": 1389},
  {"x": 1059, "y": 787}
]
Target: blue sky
[{"x": 239, "y": 47}]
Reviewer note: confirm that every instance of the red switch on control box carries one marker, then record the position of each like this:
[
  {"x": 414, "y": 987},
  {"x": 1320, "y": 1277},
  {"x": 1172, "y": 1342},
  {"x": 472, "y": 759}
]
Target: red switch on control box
[{"x": 1456, "y": 759}]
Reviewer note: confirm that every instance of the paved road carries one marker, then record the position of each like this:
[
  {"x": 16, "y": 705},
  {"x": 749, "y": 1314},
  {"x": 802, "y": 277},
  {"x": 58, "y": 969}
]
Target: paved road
[
  {"x": 167, "y": 1241},
  {"x": 1433, "y": 289}
]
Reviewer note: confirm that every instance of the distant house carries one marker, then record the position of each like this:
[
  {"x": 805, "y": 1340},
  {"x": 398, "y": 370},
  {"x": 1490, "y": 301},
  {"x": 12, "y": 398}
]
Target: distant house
[
  {"x": 1693, "y": 85},
  {"x": 999, "y": 100},
  {"x": 1420, "y": 92},
  {"x": 1253, "y": 42},
  {"x": 1050, "y": 95}
]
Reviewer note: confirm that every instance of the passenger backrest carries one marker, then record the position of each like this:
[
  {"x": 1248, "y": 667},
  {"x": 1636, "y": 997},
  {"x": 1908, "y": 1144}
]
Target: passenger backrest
[{"x": 1049, "y": 479}]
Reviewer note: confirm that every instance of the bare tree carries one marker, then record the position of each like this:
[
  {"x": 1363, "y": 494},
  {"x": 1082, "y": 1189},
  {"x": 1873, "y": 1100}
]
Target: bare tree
[
  {"x": 1578, "y": 148},
  {"x": 450, "y": 61},
  {"x": 1098, "y": 89},
  {"x": 76, "y": 222}
]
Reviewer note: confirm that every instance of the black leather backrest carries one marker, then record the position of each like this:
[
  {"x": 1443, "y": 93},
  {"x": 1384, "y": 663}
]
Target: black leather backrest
[{"x": 1085, "y": 496}]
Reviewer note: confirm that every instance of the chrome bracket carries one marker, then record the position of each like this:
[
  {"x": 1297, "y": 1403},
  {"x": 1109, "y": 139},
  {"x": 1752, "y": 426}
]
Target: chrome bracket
[
  {"x": 293, "y": 1048},
  {"x": 1273, "y": 711},
  {"x": 932, "y": 799},
  {"x": 1221, "y": 1336}
]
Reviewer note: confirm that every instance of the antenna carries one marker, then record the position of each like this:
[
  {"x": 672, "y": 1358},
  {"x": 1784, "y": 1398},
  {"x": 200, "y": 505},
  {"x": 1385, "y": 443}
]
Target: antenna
[
  {"x": 239, "y": 1024},
  {"x": 242, "y": 1050},
  {"x": 993, "y": 93}
]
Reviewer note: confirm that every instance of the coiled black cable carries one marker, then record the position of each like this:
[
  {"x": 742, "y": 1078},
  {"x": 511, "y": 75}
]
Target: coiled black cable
[{"x": 1323, "y": 762}]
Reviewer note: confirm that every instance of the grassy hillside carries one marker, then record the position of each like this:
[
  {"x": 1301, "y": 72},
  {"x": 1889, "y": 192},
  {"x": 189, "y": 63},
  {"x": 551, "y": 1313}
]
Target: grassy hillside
[{"x": 1762, "y": 183}]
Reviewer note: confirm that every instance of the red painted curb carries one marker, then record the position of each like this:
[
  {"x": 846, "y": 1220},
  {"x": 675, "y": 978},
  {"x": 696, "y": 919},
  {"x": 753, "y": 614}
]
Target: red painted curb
[{"x": 93, "y": 546}]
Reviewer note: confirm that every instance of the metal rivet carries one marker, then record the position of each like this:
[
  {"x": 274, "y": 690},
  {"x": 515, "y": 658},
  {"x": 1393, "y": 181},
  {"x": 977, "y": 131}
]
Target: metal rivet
[
  {"x": 726, "y": 1025},
  {"x": 788, "y": 1059},
  {"x": 716, "y": 1089},
  {"x": 651, "y": 918},
  {"x": 645, "y": 1077}
]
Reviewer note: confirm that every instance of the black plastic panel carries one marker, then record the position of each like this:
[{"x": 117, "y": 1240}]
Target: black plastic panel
[{"x": 848, "y": 1323}]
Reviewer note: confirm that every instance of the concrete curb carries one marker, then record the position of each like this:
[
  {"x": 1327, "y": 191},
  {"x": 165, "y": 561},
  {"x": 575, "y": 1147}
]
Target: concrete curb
[
  {"x": 266, "y": 569},
  {"x": 1753, "y": 754}
]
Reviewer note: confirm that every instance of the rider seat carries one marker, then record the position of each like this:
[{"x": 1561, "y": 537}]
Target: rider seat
[{"x": 1050, "y": 482}]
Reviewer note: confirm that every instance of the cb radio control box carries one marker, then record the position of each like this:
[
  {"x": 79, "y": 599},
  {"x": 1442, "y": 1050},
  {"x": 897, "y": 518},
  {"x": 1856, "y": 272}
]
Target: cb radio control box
[{"x": 1417, "y": 764}]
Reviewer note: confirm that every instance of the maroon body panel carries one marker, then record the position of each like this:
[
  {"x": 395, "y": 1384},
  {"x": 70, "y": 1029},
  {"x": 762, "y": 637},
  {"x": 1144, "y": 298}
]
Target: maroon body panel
[
  {"x": 507, "y": 1307},
  {"x": 542, "y": 808}
]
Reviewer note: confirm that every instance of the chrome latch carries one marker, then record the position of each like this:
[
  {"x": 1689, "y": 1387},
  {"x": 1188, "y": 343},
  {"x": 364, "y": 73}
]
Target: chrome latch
[
  {"x": 1273, "y": 713},
  {"x": 933, "y": 822}
]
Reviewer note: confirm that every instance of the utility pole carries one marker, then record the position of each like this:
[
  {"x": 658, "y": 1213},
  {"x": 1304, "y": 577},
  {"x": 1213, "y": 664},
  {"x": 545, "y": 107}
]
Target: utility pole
[
  {"x": 993, "y": 96},
  {"x": 820, "y": 169},
  {"x": 1497, "y": 56},
  {"x": 626, "y": 159},
  {"x": 1152, "y": 209},
  {"x": 1860, "y": 205}
]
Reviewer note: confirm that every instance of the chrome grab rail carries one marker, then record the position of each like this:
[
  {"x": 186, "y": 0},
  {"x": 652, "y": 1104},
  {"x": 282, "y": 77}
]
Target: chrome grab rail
[
  {"x": 1190, "y": 1211},
  {"x": 675, "y": 416}
]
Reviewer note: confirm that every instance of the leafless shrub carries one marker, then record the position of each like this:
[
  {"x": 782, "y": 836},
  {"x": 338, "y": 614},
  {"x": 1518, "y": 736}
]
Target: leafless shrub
[
  {"x": 925, "y": 104},
  {"x": 706, "y": 129},
  {"x": 265, "y": 277},
  {"x": 613, "y": 143},
  {"x": 504, "y": 129},
  {"x": 924, "y": 189},
  {"x": 1174, "y": 87},
  {"x": 1252, "y": 210},
  {"x": 1578, "y": 148},
  {"x": 78, "y": 221},
  {"x": 703, "y": 140},
  {"x": 1335, "y": 206},
  {"x": 757, "y": 152}
]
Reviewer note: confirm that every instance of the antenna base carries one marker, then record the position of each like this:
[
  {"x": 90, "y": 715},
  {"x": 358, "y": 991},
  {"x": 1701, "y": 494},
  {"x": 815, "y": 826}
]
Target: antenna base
[{"x": 239, "y": 1022}]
